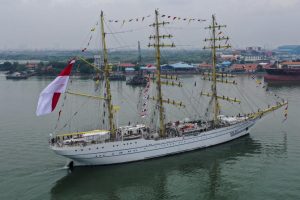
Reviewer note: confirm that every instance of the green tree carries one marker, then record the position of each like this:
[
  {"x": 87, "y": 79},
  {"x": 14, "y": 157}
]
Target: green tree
[
  {"x": 85, "y": 69},
  {"x": 5, "y": 66},
  {"x": 137, "y": 68},
  {"x": 114, "y": 68},
  {"x": 14, "y": 67},
  {"x": 20, "y": 68},
  {"x": 41, "y": 64}
]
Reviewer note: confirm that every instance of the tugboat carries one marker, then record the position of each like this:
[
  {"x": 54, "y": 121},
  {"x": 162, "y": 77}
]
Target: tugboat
[
  {"x": 117, "y": 77},
  {"x": 16, "y": 76},
  {"x": 139, "y": 79},
  {"x": 112, "y": 77}
]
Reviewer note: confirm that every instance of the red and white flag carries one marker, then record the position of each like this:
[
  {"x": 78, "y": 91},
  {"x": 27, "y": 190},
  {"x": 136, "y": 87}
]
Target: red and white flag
[{"x": 50, "y": 95}]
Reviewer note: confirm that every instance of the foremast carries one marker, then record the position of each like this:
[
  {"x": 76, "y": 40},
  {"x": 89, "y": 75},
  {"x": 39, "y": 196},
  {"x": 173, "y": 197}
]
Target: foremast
[
  {"x": 214, "y": 47},
  {"x": 107, "y": 96}
]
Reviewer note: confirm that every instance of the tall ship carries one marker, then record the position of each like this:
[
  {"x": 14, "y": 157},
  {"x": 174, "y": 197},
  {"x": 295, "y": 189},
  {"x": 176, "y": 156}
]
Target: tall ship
[
  {"x": 287, "y": 71},
  {"x": 156, "y": 138}
]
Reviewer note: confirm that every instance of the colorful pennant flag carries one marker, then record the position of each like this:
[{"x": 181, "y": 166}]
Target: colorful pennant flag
[
  {"x": 285, "y": 113},
  {"x": 145, "y": 98}
]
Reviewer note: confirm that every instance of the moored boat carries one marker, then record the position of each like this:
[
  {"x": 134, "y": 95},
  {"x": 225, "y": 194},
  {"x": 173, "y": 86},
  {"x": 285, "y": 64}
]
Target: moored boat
[
  {"x": 16, "y": 76},
  {"x": 137, "y": 80},
  {"x": 284, "y": 72}
]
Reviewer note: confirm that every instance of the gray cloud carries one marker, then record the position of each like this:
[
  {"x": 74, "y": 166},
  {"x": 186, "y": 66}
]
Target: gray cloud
[{"x": 64, "y": 24}]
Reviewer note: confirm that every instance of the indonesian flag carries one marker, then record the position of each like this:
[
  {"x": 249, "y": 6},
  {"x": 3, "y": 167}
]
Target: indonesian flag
[{"x": 50, "y": 95}]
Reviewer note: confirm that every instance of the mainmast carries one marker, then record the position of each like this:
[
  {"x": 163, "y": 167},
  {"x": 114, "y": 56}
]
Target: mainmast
[
  {"x": 214, "y": 85},
  {"x": 108, "y": 96},
  {"x": 214, "y": 47},
  {"x": 159, "y": 97},
  {"x": 158, "y": 78}
]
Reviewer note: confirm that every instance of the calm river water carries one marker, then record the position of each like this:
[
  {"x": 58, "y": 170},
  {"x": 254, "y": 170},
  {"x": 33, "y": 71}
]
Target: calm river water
[{"x": 262, "y": 165}]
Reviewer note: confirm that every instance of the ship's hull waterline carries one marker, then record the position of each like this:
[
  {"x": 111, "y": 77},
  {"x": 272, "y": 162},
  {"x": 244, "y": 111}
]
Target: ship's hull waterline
[{"x": 141, "y": 149}]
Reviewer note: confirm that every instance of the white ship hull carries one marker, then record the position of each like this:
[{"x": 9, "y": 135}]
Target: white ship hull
[{"x": 141, "y": 149}]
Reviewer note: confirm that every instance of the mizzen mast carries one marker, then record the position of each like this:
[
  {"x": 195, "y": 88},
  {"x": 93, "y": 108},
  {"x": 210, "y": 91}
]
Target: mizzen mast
[{"x": 107, "y": 96}]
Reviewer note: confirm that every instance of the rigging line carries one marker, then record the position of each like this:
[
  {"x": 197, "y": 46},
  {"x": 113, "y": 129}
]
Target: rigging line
[
  {"x": 188, "y": 94},
  {"x": 116, "y": 39},
  {"x": 176, "y": 41},
  {"x": 173, "y": 114},
  {"x": 89, "y": 33},
  {"x": 92, "y": 65},
  {"x": 122, "y": 47},
  {"x": 185, "y": 110},
  {"x": 128, "y": 31},
  {"x": 185, "y": 45},
  {"x": 189, "y": 99},
  {"x": 111, "y": 33},
  {"x": 246, "y": 100},
  {"x": 255, "y": 94},
  {"x": 184, "y": 28},
  {"x": 240, "y": 109},
  {"x": 128, "y": 97},
  {"x": 84, "y": 42},
  {"x": 204, "y": 86},
  {"x": 264, "y": 99},
  {"x": 191, "y": 94},
  {"x": 60, "y": 111},
  {"x": 130, "y": 103},
  {"x": 75, "y": 113}
]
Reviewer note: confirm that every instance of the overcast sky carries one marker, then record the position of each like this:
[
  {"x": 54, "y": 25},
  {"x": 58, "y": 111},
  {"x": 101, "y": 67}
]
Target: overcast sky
[{"x": 65, "y": 24}]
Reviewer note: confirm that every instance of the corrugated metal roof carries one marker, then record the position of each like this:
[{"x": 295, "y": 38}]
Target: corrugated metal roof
[
  {"x": 247, "y": 67},
  {"x": 129, "y": 69},
  {"x": 126, "y": 65},
  {"x": 181, "y": 65},
  {"x": 148, "y": 68},
  {"x": 290, "y": 63}
]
